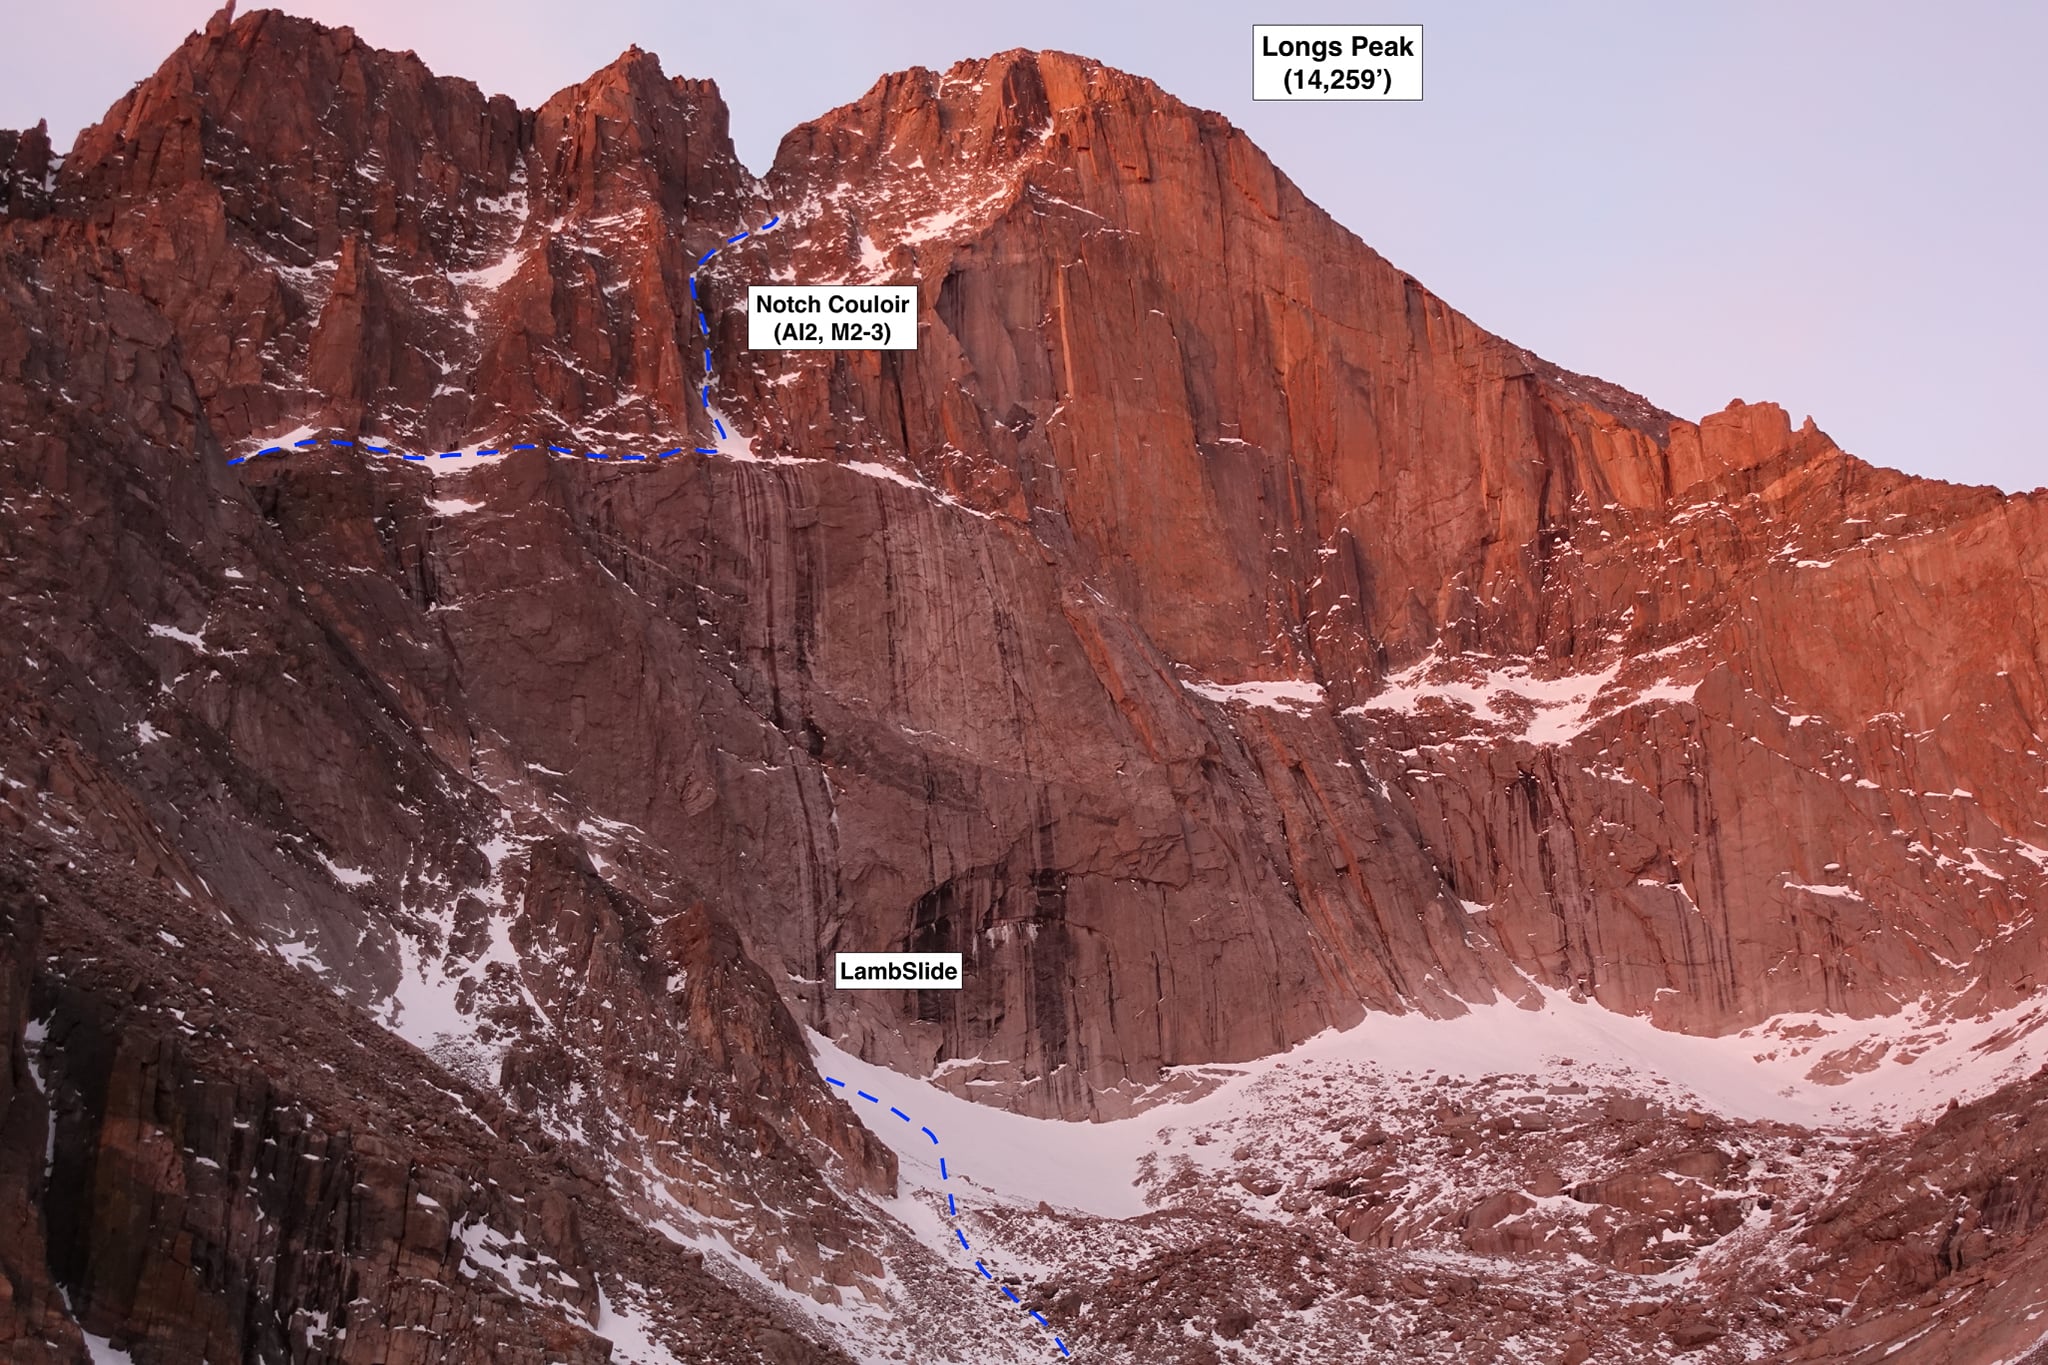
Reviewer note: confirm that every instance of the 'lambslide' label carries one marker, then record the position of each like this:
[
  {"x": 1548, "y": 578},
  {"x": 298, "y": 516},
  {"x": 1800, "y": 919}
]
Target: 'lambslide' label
[
  {"x": 832, "y": 317},
  {"x": 897, "y": 971},
  {"x": 1336, "y": 61}
]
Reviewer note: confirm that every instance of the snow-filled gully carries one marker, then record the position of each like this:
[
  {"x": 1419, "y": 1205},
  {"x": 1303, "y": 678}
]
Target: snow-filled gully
[{"x": 467, "y": 457}]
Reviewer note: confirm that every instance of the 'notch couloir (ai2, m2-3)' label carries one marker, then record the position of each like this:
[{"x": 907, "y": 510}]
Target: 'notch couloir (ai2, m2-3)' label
[
  {"x": 1337, "y": 61},
  {"x": 832, "y": 317}
]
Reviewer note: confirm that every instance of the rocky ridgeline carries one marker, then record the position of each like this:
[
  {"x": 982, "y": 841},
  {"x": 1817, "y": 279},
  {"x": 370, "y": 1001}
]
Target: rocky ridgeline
[{"x": 1206, "y": 631}]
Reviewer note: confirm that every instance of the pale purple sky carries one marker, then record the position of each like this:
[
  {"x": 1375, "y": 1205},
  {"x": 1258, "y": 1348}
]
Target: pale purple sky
[{"x": 1836, "y": 206}]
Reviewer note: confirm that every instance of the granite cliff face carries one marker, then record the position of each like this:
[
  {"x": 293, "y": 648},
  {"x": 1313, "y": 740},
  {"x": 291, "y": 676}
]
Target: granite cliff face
[
  {"x": 1553, "y": 665},
  {"x": 1206, "y": 630}
]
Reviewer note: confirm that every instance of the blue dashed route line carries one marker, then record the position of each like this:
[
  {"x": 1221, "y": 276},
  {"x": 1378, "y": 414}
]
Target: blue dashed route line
[
  {"x": 953, "y": 1211},
  {"x": 703, "y": 396}
]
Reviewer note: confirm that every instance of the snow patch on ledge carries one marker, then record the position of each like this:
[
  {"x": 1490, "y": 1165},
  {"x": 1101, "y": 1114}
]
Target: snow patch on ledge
[
  {"x": 347, "y": 876},
  {"x": 1846, "y": 893},
  {"x": 1284, "y": 694},
  {"x": 1544, "y": 711},
  {"x": 493, "y": 276},
  {"x": 183, "y": 637},
  {"x": 741, "y": 450}
]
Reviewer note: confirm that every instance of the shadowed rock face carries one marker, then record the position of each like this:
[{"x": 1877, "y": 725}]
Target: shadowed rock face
[
  {"x": 1206, "y": 631},
  {"x": 223, "y": 1165}
]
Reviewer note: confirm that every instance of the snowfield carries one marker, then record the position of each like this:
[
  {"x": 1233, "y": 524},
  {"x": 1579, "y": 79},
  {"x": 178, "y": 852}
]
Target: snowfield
[
  {"x": 1761, "y": 1073},
  {"x": 1410, "y": 1155}
]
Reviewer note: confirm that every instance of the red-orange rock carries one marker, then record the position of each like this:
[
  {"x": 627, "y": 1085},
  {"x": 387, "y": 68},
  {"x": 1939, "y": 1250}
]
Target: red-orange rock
[{"x": 1207, "y": 631}]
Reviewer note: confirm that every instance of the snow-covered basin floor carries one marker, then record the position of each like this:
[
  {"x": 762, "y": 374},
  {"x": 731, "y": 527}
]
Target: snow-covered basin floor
[{"x": 1758, "y": 1074}]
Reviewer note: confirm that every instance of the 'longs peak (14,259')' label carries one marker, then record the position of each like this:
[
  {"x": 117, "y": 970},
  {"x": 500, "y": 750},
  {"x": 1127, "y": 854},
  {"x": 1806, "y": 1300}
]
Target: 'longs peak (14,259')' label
[
  {"x": 832, "y": 317},
  {"x": 1336, "y": 61}
]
